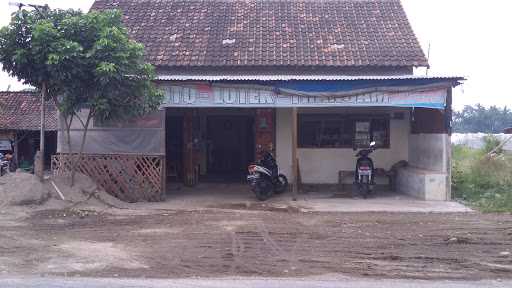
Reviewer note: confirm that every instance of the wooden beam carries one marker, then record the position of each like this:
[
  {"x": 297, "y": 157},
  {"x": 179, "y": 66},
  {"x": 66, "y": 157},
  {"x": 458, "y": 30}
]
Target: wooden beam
[
  {"x": 448, "y": 111},
  {"x": 188, "y": 159},
  {"x": 295, "y": 169},
  {"x": 448, "y": 144},
  {"x": 163, "y": 149}
]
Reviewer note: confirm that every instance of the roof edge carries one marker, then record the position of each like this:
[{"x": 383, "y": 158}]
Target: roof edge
[{"x": 292, "y": 77}]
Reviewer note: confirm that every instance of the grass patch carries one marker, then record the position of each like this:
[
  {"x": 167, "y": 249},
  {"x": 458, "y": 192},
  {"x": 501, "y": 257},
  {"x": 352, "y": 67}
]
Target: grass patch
[{"x": 485, "y": 183}]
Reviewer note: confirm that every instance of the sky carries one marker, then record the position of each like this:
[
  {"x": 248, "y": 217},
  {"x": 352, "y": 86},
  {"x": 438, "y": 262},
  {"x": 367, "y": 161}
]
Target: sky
[{"x": 466, "y": 37}]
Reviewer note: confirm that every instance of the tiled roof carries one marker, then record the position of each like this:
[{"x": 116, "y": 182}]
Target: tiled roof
[
  {"x": 238, "y": 33},
  {"x": 21, "y": 111}
]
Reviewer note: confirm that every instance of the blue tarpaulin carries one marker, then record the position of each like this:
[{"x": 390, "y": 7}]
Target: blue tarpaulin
[{"x": 428, "y": 93}]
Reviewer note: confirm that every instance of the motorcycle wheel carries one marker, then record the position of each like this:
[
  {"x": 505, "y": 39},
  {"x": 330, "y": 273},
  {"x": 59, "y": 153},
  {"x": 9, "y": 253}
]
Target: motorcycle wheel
[
  {"x": 364, "y": 187},
  {"x": 281, "y": 184},
  {"x": 263, "y": 190}
]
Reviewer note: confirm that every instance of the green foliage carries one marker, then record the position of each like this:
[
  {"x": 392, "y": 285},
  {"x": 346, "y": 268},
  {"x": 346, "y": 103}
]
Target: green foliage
[
  {"x": 82, "y": 61},
  {"x": 86, "y": 60},
  {"x": 474, "y": 119},
  {"x": 490, "y": 143},
  {"x": 485, "y": 183}
]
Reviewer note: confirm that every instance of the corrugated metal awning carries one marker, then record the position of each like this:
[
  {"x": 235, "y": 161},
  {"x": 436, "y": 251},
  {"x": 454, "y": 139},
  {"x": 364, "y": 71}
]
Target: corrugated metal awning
[{"x": 290, "y": 77}]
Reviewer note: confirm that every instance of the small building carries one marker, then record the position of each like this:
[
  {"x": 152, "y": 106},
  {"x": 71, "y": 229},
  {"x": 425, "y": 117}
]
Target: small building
[
  {"x": 20, "y": 124},
  {"x": 313, "y": 79}
]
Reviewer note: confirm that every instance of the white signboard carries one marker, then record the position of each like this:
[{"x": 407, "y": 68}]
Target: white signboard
[{"x": 208, "y": 96}]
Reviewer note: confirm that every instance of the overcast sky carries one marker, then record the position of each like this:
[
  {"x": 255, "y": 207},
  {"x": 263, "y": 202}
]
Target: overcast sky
[{"x": 467, "y": 38}]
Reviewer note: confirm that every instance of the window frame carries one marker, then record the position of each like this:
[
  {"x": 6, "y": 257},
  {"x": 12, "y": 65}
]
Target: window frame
[{"x": 348, "y": 119}]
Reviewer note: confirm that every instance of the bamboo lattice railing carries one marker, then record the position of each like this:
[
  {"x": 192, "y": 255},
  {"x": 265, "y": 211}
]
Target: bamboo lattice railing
[{"x": 129, "y": 177}]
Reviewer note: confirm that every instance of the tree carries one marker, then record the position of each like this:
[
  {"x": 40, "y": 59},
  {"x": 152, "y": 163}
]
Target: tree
[
  {"x": 86, "y": 63},
  {"x": 473, "y": 119},
  {"x": 17, "y": 58}
]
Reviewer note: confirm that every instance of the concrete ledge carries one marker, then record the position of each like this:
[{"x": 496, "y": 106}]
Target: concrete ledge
[
  {"x": 422, "y": 184},
  {"x": 391, "y": 204}
]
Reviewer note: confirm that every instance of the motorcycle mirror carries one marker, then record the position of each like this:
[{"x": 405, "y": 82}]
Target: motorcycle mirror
[{"x": 372, "y": 144}]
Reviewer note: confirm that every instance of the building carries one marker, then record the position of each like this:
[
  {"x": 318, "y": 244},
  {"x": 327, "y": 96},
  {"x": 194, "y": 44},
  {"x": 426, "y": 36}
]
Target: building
[
  {"x": 245, "y": 76},
  {"x": 20, "y": 124}
]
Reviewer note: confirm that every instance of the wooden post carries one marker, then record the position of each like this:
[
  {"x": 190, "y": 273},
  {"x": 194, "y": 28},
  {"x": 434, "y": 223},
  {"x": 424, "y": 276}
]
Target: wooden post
[
  {"x": 187, "y": 149},
  {"x": 295, "y": 169},
  {"x": 163, "y": 149},
  {"x": 16, "y": 153},
  {"x": 448, "y": 144},
  {"x": 41, "y": 142}
]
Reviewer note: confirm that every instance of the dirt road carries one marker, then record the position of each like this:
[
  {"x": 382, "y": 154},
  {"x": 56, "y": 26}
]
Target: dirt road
[{"x": 284, "y": 243}]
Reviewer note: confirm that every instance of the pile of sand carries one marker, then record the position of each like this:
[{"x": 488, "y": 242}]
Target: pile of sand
[
  {"x": 19, "y": 189},
  {"x": 25, "y": 189},
  {"x": 84, "y": 192}
]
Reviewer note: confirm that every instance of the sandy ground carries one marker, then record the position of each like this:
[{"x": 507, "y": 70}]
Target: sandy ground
[
  {"x": 257, "y": 241},
  {"x": 92, "y": 235},
  {"x": 244, "y": 282}
]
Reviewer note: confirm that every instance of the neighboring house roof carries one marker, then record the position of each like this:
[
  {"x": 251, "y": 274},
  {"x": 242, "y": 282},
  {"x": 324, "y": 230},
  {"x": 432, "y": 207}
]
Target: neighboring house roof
[
  {"x": 21, "y": 111},
  {"x": 248, "y": 33}
]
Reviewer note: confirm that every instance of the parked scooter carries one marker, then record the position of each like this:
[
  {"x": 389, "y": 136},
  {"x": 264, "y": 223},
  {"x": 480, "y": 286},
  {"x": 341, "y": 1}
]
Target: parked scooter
[
  {"x": 264, "y": 178},
  {"x": 4, "y": 164},
  {"x": 364, "y": 178}
]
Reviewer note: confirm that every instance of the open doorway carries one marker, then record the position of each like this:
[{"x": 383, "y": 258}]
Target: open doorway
[
  {"x": 209, "y": 145},
  {"x": 174, "y": 147},
  {"x": 231, "y": 147}
]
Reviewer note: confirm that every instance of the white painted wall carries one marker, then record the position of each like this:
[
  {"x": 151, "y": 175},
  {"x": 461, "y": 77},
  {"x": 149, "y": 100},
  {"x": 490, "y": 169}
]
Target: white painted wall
[
  {"x": 321, "y": 166},
  {"x": 284, "y": 141}
]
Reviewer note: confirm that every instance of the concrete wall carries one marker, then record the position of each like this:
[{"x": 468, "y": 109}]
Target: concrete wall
[
  {"x": 427, "y": 151},
  {"x": 422, "y": 184},
  {"x": 427, "y": 176},
  {"x": 321, "y": 165}
]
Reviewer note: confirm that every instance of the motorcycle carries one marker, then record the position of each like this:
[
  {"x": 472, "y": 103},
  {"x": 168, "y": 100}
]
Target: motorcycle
[
  {"x": 265, "y": 179},
  {"x": 4, "y": 164},
  {"x": 364, "y": 177}
]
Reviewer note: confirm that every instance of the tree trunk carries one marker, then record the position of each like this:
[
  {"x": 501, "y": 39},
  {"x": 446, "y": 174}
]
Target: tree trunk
[
  {"x": 82, "y": 145},
  {"x": 68, "y": 161},
  {"x": 68, "y": 132}
]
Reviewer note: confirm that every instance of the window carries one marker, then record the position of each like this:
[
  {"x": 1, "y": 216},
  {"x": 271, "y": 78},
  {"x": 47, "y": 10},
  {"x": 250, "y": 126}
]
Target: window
[
  {"x": 380, "y": 132},
  {"x": 316, "y": 130},
  {"x": 336, "y": 131}
]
